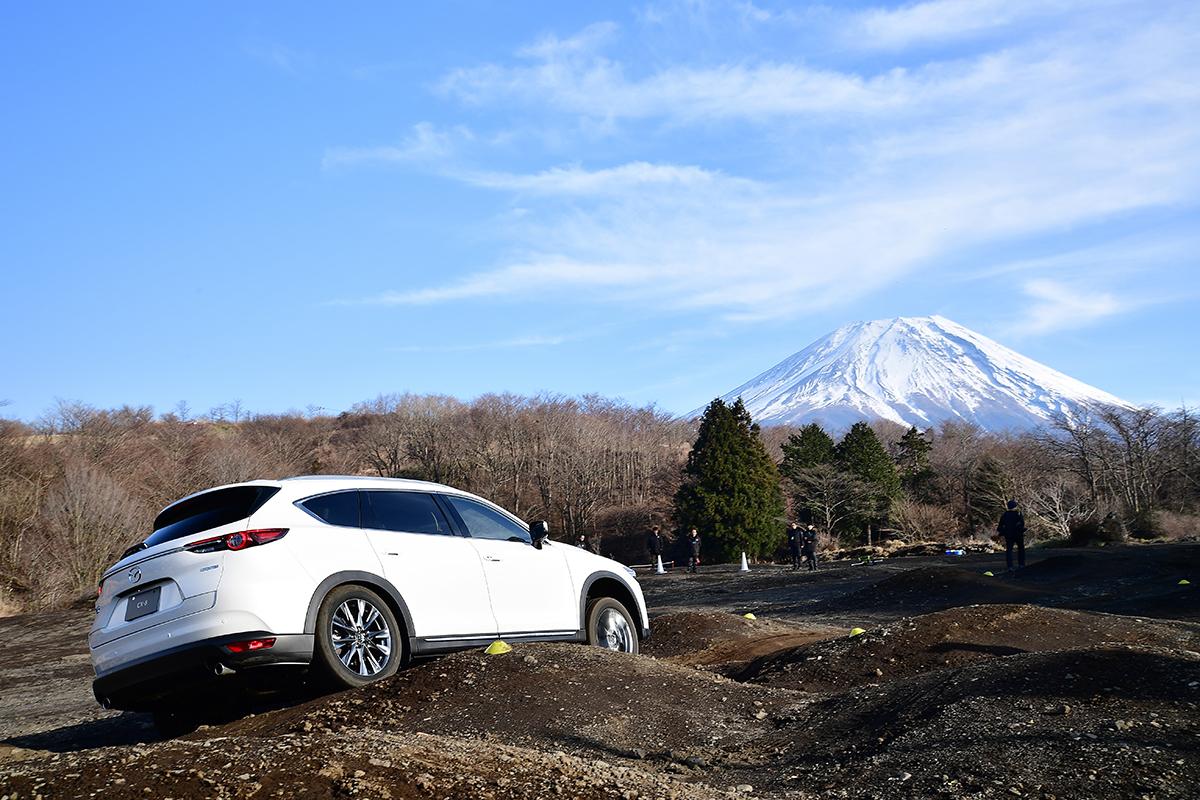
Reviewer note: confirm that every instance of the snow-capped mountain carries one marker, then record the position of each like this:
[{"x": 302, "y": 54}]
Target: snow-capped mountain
[{"x": 914, "y": 371}]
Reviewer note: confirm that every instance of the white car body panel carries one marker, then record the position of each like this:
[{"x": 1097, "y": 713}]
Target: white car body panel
[
  {"x": 531, "y": 590},
  {"x": 441, "y": 607}
]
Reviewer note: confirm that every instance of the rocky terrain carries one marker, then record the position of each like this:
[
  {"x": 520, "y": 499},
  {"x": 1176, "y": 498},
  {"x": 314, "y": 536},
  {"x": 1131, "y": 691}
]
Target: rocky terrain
[{"x": 963, "y": 685}]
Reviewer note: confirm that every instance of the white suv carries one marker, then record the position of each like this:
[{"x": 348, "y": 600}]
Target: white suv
[{"x": 351, "y": 575}]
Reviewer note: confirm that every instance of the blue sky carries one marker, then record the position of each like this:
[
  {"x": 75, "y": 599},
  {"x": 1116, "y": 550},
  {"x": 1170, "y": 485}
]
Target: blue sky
[{"x": 274, "y": 203}]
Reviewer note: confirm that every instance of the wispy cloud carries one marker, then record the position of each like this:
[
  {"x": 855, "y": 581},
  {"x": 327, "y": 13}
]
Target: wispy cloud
[
  {"x": 950, "y": 20},
  {"x": 425, "y": 143},
  {"x": 599, "y": 88},
  {"x": 1056, "y": 130},
  {"x": 533, "y": 276},
  {"x": 1057, "y": 306},
  {"x": 1117, "y": 257},
  {"x": 579, "y": 79},
  {"x": 575, "y": 180},
  {"x": 551, "y": 47}
]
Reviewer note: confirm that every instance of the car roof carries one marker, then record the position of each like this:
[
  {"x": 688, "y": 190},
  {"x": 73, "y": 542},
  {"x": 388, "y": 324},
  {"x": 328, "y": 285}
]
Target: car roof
[
  {"x": 367, "y": 480},
  {"x": 301, "y": 486}
]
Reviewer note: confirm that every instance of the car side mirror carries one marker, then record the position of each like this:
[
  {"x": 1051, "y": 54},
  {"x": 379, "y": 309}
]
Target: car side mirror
[{"x": 539, "y": 532}]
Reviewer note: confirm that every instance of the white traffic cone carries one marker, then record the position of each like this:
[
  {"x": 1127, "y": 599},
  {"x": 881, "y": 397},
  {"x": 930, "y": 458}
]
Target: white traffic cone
[
  {"x": 658, "y": 569},
  {"x": 745, "y": 566}
]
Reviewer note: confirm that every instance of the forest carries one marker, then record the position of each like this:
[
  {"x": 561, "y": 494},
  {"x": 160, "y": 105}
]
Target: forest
[{"x": 81, "y": 484}]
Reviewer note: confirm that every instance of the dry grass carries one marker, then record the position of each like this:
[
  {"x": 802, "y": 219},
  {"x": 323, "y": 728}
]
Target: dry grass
[
  {"x": 924, "y": 522},
  {"x": 1176, "y": 527},
  {"x": 9, "y": 607}
]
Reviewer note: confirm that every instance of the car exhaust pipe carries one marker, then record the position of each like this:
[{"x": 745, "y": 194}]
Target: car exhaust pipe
[{"x": 220, "y": 669}]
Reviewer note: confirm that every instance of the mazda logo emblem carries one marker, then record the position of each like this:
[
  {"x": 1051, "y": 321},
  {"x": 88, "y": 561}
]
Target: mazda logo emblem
[{"x": 135, "y": 575}]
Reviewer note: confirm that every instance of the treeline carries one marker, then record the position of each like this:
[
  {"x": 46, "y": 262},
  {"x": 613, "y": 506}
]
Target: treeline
[
  {"x": 1117, "y": 474},
  {"x": 82, "y": 484}
]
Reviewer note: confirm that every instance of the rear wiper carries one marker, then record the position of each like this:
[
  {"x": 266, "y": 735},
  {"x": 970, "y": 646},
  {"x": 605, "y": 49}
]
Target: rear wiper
[{"x": 134, "y": 549}]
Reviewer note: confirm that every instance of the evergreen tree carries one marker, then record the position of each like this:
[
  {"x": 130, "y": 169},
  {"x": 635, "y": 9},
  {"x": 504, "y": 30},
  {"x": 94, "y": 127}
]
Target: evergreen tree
[
  {"x": 807, "y": 448},
  {"x": 912, "y": 461},
  {"x": 731, "y": 491},
  {"x": 861, "y": 453}
]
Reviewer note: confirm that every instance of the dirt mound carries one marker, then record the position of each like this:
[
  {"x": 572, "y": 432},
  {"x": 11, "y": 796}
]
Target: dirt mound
[
  {"x": 954, "y": 638},
  {"x": 352, "y": 763},
  {"x": 689, "y": 632},
  {"x": 563, "y": 696},
  {"x": 1100, "y": 722},
  {"x": 1175, "y": 602},
  {"x": 726, "y": 642},
  {"x": 933, "y": 587},
  {"x": 1063, "y": 567}
]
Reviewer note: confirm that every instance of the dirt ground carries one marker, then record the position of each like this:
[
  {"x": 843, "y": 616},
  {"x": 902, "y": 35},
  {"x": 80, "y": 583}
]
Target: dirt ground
[{"x": 1078, "y": 677}]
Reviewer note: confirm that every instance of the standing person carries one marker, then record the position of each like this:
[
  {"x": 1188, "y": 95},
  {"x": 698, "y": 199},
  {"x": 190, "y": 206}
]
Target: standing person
[
  {"x": 654, "y": 544},
  {"x": 808, "y": 545},
  {"x": 794, "y": 536},
  {"x": 1012, "y": 528},
  {"x": 693, "y": 550},
  {"x": 582, "y": 542}
]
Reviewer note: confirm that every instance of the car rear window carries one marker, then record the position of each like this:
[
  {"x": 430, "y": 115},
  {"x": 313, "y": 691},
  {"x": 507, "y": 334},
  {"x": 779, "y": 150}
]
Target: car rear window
[
  {"x": 339, "y": 508},
  {"x": 209, "y": 510}
]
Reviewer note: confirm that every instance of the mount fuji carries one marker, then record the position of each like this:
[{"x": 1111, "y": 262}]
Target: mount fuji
[{"x": 915, "y": 371}]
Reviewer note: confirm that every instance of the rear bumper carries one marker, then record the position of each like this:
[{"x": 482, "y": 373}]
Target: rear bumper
[{"x": 149, "y": 682}]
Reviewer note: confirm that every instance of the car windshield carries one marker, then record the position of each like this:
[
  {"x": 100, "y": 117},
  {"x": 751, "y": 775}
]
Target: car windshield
[{"x": 208, "y": 510}]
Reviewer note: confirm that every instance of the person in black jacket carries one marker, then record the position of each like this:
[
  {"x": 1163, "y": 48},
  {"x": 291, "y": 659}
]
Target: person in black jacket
[
  {"x": 1012, "y": 528},
  {"x": 693, "y": 550},
  {"x": 654, "y": 544},
  {"x": 794, "y": 544},
  {"x": 808, "y": 545}
]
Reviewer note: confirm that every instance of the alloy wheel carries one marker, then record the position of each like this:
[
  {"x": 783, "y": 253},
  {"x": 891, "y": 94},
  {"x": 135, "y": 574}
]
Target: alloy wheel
[
  {"x": 613, "y": 631},
  {"x": 361, "y": 637}
]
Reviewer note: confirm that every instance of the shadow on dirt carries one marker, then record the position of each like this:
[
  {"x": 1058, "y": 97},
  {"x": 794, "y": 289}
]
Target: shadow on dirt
[
  {"x": 992, "y": 650},
  {"x": 127, "y": 729}
]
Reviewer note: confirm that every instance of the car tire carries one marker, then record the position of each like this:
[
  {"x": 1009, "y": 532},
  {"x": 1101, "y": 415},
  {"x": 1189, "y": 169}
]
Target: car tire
[
  {"x": 609, "y": 625},
  {"x": 358, "y": 638}
]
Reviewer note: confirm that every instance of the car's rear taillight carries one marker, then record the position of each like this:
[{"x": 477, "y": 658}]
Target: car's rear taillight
[
  {"x": 236, "y": 541},
  {"x": 249, "y": 645}
]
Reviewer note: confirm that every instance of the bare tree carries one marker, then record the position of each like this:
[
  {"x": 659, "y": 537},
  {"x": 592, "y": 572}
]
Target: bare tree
[
  {"x": 88, "y": 520},
  {"x": 956, "y": 454},
  {"x": 832, "y": 496}
]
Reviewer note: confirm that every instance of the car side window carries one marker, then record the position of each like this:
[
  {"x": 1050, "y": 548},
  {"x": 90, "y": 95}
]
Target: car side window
[
  {"x": 487, "y": 523},
  {"x": 338, "y": 508},
  {"x": 410, "y": 512}
]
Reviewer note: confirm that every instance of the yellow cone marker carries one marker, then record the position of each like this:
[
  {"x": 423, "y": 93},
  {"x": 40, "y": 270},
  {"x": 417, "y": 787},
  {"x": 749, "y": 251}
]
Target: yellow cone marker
[
  {"x": 749, "y": 616},
  {"x": 1184, "y": 582},
  {"x": 990, "y": 574},
  {"x": 857, "y": 631},
  {"x": 498, "y": 647}
]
